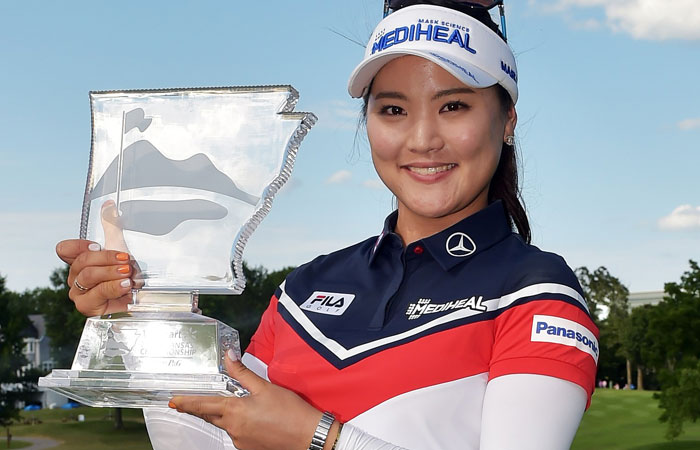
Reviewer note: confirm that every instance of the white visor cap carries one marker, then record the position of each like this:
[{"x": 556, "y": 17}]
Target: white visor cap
[{"x": 458, "y": 43}]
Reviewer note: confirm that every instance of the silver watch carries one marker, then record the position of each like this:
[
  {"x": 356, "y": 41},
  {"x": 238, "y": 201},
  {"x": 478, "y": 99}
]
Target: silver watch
[{"x": 321, "y": 433}]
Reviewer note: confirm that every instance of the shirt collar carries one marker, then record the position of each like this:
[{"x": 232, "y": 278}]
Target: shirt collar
[
  {"x": 460, "y": 242},
  {"x": 389, "y": 226}
]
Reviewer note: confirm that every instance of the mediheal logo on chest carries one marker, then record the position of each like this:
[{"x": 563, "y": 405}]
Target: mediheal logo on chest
[
  {"x": 558, "y": 330},
  {"x": 331, "y": 303}
]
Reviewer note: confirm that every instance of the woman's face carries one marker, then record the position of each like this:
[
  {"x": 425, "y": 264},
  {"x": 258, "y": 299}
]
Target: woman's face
[{"x": 435, "y": 141}]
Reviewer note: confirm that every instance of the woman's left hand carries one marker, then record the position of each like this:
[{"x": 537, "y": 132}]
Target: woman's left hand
[{"x": 271, "y": 417}]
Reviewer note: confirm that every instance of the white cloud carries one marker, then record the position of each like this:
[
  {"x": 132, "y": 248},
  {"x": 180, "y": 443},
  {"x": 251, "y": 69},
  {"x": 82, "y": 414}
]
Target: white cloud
[
  {"x": 373, "y": 184},
  {"x": 689, "y": 124},
  {"x": 642, "y": 19},
  {"x": 340, "y": 176},
  {"x": 685, "y": 217}
]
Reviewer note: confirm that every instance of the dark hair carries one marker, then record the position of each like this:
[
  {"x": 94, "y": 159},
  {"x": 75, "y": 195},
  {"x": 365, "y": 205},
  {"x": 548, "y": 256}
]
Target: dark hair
[
  {"x": 480, "y": 14},
  {"x": 505, "y": 182}
]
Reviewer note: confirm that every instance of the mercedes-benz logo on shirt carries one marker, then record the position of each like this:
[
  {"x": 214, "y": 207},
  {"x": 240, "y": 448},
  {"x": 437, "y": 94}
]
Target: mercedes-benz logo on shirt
[{"x": 460, "y": 245}]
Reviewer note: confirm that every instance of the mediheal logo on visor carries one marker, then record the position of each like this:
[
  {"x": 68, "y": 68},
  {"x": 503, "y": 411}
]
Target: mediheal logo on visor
[
  {"x": 426, "y": 30},
  {"x": 331, "y": 303},
  {"x": 558, "y": 330}
]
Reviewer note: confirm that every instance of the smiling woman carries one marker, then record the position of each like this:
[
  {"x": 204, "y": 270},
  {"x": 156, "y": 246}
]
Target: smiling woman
[
  {"x": 446, "y": 331},
  {"x": 436, "y": 143}
]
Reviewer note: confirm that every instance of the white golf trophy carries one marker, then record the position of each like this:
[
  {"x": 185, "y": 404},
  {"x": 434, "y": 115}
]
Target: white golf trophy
[{"x": 179, "y": 179}]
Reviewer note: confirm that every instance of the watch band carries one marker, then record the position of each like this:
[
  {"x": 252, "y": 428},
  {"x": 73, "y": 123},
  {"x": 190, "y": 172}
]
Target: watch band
[{"x": 321, "y": 433}]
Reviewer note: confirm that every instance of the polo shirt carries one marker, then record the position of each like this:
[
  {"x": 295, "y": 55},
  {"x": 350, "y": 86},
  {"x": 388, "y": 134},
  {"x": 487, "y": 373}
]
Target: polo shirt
[{"x": 401, "y": 341}]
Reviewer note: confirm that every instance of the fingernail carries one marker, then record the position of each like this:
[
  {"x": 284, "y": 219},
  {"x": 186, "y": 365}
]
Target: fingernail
[
  {"x": 125, "y": 282},
  {"x": 124, "y": 269},
  {"x": 94, "y": 247},
  {"x": 172, "y": 405},
  {"x": 231, "y": 355},
  {"x": 123, "y": 256}
]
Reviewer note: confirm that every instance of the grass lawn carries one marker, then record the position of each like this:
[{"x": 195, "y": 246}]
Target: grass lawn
[
  {"x": 97, "y": 432},
  {"x": 15, "y": 444},
  {"x": 629, "y": 420}
]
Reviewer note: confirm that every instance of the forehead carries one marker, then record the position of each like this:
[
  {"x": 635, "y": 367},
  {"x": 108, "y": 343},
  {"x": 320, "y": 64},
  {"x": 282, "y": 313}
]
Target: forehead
[{"x": 415, "y": 76}]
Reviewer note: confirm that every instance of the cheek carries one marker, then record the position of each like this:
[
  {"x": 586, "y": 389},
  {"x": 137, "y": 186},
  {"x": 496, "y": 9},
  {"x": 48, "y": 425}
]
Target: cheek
[{"x": 383, "y": 141}]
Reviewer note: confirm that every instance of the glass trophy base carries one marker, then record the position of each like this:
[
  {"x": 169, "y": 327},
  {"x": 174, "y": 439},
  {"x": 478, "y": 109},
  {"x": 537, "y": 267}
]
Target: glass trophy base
[
  {"x": 146, "y": 356},
  {"x": 103, "y": 388}
]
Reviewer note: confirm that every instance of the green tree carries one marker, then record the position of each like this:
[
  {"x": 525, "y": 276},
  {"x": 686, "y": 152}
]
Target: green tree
[
  {"x": 64, "y": 324},
  {"x": 16, "y": 384},
  {"x": 681, "y": 401},
  {"x": 601, "y": 288},
  {"x": 675, "y": 349},
  {"x": 636, "y": 341}
]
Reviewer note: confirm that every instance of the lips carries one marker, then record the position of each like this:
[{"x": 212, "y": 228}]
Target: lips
[{"x": 430, "y": 170}]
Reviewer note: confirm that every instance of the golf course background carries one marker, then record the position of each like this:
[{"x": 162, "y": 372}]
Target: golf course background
[
  {"x": 616, "y": 420},
  {"x": 629, "y": 420}
]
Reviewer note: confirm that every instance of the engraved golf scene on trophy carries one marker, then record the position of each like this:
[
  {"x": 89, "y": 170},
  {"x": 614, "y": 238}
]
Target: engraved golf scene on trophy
[{"x": 178, "y": 179}]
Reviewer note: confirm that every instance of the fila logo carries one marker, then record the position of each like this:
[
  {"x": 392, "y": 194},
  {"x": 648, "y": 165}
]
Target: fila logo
[
  {"x": 331, "y": 303},
  {"x": 423, "y": 306},
  {"x": 558, "y": 330},
  {"x": 460, "y": 245}
]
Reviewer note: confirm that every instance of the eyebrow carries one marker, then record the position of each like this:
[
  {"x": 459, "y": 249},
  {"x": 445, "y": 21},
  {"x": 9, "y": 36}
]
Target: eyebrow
[
  {"x": 460, "y": 90},
  {"x": 390, "y": 94}
]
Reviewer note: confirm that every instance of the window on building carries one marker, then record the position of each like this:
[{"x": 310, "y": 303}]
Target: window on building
[{"x": 30, "y": 346}]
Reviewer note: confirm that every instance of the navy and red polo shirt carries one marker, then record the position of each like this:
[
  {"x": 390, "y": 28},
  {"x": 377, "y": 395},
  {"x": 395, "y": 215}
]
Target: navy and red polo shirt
[{"x": 401, "y": 341}]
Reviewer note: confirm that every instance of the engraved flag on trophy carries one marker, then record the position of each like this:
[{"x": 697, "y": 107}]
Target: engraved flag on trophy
[{"x": 179, "y": 179}]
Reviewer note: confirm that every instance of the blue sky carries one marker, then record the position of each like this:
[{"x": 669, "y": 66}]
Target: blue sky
[{"x": 609, "y": 120}]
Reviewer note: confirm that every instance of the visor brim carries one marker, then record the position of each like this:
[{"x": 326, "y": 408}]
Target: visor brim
[{"x": 465, "y": 72}]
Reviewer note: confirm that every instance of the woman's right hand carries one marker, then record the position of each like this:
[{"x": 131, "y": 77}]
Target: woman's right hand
[{"x": 104, "y": 275}]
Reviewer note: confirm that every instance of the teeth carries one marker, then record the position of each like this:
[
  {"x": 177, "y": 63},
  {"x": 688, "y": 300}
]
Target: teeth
[{"x": 430, "y": 170}]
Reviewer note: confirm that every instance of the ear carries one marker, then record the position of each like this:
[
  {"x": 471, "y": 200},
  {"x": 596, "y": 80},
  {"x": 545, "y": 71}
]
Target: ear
[{"x": 511, "y": 121}]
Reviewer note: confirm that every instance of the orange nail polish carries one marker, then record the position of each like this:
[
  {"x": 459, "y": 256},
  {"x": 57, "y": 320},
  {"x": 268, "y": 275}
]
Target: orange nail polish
[
  {"x": 122, "y": 256},
  {"x": 172, "y": 405},
  {"x": 124, "y": 269}
]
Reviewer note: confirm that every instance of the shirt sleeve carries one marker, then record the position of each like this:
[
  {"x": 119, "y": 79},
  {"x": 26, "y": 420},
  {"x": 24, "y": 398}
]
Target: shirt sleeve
[
  {"x": 353, "y": 438},
  {"x": 536, "y": 412},
  {"x": 545, "y": 329},
  {"x": 262, "y": 343}
]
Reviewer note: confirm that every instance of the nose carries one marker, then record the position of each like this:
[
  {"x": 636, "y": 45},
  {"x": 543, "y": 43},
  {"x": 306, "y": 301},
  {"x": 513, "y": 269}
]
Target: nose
[{"x": 425, "y": 135}]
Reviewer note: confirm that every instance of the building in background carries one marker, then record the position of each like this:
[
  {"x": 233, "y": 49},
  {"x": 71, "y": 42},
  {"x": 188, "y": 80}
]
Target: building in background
[
  {"x": 645, "y": 298},
  {"x": 37, "y": 350}
]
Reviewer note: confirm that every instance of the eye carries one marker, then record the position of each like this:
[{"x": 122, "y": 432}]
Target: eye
[
  {"x": 392, "y": 110},
  {"x": 454, "y": 106}
]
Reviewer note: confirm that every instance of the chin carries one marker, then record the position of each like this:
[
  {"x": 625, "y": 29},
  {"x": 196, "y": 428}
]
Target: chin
[{"x": 431, "y": 211}]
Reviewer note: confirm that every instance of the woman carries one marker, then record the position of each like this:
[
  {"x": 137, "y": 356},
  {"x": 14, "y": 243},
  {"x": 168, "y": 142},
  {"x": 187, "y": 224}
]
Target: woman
[{"x": 448, "y": 330}]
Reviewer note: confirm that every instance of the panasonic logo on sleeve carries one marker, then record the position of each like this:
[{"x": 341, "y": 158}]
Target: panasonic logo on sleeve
[
  {"x": 331, "y": 303},
  {"x": 558, "y": 330}
]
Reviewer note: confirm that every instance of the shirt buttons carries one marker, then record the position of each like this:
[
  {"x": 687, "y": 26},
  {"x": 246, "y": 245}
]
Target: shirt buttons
[{"x": 418, "y": 250}]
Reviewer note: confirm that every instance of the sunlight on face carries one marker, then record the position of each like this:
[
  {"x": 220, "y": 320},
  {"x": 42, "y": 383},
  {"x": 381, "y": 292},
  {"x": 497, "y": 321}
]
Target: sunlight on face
[{"x": 435, "y": 143}]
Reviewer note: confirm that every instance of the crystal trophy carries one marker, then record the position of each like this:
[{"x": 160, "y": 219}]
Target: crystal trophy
[{"x": 179, "y": 179}]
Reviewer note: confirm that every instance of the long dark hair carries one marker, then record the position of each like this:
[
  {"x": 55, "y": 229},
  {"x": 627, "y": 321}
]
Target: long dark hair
[{"x": 505, "y": 184}]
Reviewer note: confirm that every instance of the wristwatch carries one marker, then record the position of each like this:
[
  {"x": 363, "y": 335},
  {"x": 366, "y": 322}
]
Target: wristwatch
[{"x": 321, "y": 433}]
